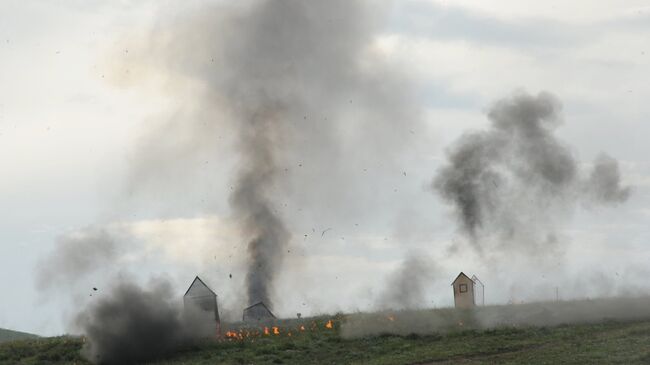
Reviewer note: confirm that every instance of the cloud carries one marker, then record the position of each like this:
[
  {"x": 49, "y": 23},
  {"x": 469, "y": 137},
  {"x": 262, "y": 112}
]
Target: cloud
[
  {"x": 578, "y": 11},
  {"x": 451, "y": 22},
  {"x": 188, "y": 240}
]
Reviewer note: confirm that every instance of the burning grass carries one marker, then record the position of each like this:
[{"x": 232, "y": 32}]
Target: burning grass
[{"x": 280, "y": 328}]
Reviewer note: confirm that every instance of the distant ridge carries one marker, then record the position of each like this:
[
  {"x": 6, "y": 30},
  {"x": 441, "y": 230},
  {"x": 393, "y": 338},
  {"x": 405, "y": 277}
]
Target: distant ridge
[{"x": 9, "y": 335}]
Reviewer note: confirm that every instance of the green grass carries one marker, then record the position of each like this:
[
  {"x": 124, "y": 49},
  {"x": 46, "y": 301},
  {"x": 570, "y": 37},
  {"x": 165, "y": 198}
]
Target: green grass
[
  {"x": 8, "y": 335},
  {"x": 42, "y": 351},
  {"x": 604, "y": 343}
]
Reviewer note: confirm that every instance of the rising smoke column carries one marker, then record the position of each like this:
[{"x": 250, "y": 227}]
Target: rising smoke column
[
  {"x": 271, "y": 68},
  {"x": 406, "y": 286},
  {"x": 289, "y": 81},
  {"x": 252, "y": 205},
  {"x": 294, "y": 60},
  {"x": 517, "y": 179}
]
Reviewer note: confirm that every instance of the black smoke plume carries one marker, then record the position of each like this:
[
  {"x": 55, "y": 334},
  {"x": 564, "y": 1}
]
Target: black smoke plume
[
  {"x": 132, "y": 325},
  {"x": 517, "y": 179}
]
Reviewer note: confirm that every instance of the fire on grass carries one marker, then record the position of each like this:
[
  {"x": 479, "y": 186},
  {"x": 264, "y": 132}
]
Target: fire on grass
[{"x": 270, "y": 331}]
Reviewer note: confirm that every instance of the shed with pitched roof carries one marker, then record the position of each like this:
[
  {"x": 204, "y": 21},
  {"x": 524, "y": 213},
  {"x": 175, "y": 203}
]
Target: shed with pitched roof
[
  {"x": 257, "y": 312},
  {"x": 200, "y": 304},
  {"x": 463, "y": 291}
]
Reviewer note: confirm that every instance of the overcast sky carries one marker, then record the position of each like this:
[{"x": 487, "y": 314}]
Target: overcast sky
[{"x": 74, "y": 108}]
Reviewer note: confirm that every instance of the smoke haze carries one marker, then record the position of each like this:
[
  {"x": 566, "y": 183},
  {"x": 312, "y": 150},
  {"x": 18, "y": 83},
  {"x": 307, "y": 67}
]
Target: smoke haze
[
  {"x": 441, "y": 321},
  {"x": 605, "y": 181},
  {"x": 406, "y": 287},
  {"x": 76, "y": 254}
]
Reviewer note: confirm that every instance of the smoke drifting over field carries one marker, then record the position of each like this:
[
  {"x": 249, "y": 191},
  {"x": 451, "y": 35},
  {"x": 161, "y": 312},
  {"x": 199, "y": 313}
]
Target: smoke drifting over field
[
  {"x": 517, "y": 179},
  {"x": 441, "y": 321}
]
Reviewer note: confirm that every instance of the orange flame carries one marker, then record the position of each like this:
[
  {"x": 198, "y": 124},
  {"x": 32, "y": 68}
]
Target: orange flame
[
  {"x": 244, "y": 334},
  {"x": 391, "y": 318},
  {"x": 234, "y": 335}
]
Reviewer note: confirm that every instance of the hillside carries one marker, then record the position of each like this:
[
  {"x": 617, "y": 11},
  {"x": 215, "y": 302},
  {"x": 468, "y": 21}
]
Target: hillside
[
  {"x": 8, "y": 335},
  {"x": 604, "y": 343}
]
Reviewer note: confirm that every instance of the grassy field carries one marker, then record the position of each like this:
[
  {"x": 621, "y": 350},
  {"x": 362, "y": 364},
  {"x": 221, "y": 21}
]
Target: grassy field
[
  {"x": 8, "y": 335},
  {"x": 603, "y": 343}
]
